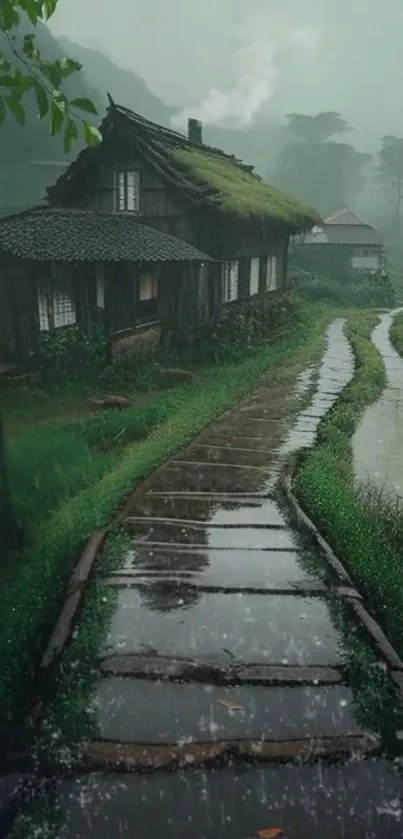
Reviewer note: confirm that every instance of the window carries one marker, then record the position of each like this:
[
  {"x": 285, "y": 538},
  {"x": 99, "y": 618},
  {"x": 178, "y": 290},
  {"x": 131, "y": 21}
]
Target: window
[
  {"x": 57, "y": 308},
  {"x": 100, "y": 284},
  {"x": 254, "y": 275},
  {"x": 366, "y": 261},
  {"x": 271, "y": 273},
  {"x": 148, "y": 289},
  {"x": 128, "y": 185},
  {"x": 230, "y": 278},
  {"x": 147, "y": 306}
]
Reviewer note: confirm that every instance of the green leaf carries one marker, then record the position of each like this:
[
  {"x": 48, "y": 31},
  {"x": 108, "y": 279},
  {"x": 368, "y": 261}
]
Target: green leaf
[
  {"x": 9, "y": 17},
  {"x": 49, "y": 7},
  {"x": 67, "y": 67},
  {"x": 5, "y": 66},
  {"x": 42, "y": 99},
  {"x": 29, "y": 48},
  {"x": 51, "y": 72},
  {"x": 15, "y": 108},
  {"x": 57, "y": 114},
  {"x": 70, "y": 136},
  {"x": 91, "y": 134},
  {"x": 84, "y": 105},
  {"x": 31, "y": 8},
  {"x": 3, "y": 111}
]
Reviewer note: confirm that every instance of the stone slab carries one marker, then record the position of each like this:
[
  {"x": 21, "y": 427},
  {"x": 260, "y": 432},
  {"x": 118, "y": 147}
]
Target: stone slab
[
  {"x": 228, "y": 538},
  {"x": 214, "y": 510},
  {"x": 249, "y": 628},
  {"x": 144, "y": 711},
  {"x": 238, "y": 567}
]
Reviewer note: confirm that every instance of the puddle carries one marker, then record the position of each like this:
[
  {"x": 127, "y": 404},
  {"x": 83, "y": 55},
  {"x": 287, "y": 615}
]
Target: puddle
[
  {"x": 235, "y": 568},
  {"x": 255, "y": 628},
  {"x": 228, "y": 538},
  {"x": 142, "y": 711},
  {"x": 359, "y": 800},
  {"x": 213, "y": 510},
  {"x": 378, "y": 441}
]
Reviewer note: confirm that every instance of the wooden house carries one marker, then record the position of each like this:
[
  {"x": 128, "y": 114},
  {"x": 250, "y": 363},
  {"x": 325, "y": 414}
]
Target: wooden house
[
  {"x": 60, "y": 267},
  {"x": 342, "y": 241},
  {"x": 150, "y": 176}
]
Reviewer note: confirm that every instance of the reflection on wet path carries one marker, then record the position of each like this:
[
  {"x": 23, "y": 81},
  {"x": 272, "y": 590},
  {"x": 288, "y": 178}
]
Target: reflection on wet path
[
  {"x": 378, "y": 441},
  {"x": 224, "y": 632}
]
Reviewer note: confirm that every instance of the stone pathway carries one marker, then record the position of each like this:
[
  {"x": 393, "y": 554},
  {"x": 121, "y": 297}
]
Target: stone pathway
[
  {"x": 224, "y": 643},
  {"x": 378, "y": 441}
]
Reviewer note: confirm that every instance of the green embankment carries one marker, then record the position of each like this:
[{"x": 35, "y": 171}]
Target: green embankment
[{"x": 364, "y": 527}]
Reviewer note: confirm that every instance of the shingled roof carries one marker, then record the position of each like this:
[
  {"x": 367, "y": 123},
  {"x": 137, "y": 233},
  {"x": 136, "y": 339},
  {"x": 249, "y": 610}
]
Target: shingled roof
[
  {"x": 49, "y": 233},
  {"x": 199, "y": 174}
]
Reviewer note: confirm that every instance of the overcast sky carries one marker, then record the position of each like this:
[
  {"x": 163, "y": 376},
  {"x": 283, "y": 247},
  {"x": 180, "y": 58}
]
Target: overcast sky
[{"x": 233, "y": 58}]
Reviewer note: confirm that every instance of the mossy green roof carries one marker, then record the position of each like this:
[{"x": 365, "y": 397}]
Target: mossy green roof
[
  {"x": 201, "y": 174},
  {"x": 242, "y": 192}
]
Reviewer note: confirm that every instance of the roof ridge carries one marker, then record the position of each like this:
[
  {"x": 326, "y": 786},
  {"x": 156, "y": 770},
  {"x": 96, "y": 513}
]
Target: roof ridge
[
  {"x": 344, "y": 210},
  {"x": 170, "y": 133}
]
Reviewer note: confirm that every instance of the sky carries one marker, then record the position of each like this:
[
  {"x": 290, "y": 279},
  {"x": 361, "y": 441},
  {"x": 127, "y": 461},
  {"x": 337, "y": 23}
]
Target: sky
[{"x": 232, "y": 60}]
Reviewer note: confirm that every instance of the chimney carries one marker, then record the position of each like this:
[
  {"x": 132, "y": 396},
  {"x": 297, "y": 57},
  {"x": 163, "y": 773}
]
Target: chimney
[{"x": 195, "y": 131}]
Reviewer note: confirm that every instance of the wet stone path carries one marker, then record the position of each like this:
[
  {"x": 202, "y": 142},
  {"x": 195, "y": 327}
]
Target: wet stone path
[
  {"x": 223, "y": 642},
  {"x": 378, "y": 441}
]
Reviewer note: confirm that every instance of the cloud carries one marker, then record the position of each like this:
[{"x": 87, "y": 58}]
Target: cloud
[{"x": 261, "y": 38}]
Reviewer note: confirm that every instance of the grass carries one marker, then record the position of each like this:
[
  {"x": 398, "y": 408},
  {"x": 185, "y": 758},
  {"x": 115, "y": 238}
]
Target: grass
[
  {"x": 396, "y": 333},
  {"x": 364, "y": 527},
  {"x": 30, "y": 604},
  {"x": 242, "y": 192},
  {"x": 52, "y": 462}
]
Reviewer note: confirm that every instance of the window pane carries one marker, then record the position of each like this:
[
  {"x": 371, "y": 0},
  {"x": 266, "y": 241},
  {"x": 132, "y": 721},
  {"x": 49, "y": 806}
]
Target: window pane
[
  {"x": 146, "y": 290},
  {"x": 234, "y": 276},
  {"x": 254, "y": 275},
  {"x": 271, "y": 273},
  {"x": 122, "y": 191}
]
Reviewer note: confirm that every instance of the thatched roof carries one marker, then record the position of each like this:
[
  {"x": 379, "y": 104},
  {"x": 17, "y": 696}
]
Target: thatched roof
[
  {"x": 199, "y": 175},
  {"x": 49, "y": 233}
]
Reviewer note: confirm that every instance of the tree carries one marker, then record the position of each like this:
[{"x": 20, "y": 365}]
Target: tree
[
  {"x": 316, "y": 168},
  {"x": 24, "y": 73},
  {"x": 389, "y": 171}
]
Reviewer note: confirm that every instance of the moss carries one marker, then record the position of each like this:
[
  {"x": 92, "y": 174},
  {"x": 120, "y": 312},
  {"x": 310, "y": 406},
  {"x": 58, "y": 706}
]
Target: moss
[{"x": 242, "y": 193}]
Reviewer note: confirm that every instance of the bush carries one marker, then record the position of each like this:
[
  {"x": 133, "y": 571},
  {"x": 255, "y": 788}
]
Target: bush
[
  {"x": 72, "y": 354},
  {"x": 360, "y": 289}
]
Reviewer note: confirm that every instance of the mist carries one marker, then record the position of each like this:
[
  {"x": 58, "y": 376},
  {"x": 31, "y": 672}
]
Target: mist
[
  {"x": 238, "y": 60},
  {"x": 262, "y": 38}
]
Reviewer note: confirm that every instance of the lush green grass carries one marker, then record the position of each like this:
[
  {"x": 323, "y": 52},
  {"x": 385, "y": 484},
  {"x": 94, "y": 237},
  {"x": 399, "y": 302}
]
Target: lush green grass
[
  {"x": 50, "y": 463},
  {"x": 30, "y": 605},
  {"x": 396, "y": 333},
  {"x": 365, "y": 529}
]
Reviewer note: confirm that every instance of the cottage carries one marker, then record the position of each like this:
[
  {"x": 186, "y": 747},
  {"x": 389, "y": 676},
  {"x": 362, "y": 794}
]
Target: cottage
[
  {"x": 342, "y": 241},
  {"x": 155, "y": 179},
  {"x": 60, "y": 267}
]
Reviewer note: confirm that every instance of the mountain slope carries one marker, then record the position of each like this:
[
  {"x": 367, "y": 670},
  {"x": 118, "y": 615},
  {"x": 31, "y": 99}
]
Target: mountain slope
[{"x": 125, "y": 87}]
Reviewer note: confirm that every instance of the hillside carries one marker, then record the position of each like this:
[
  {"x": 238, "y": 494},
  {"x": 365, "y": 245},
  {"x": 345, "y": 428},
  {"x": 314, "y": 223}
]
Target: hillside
[{"x": 30, "y": 159}]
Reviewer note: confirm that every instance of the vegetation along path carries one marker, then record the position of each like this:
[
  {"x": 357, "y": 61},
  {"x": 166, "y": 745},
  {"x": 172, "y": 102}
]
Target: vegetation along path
[{"x": 234, "y": 650}]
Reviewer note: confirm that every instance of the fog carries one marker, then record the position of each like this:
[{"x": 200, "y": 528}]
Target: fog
[{"x": 232, "y": 62}]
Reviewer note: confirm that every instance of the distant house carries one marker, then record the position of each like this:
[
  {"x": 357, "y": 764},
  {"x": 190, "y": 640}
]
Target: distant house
[
  {"x": 144, "y": 182},
  {"x": 343, "y": 238}
]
